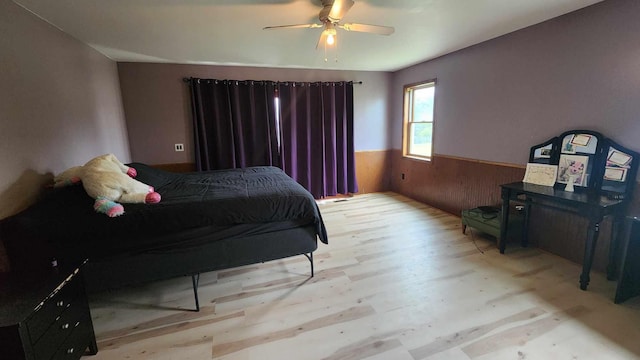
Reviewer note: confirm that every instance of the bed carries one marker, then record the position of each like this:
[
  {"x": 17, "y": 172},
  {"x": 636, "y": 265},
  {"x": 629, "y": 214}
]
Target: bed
[{"x": 206, "y": 221}]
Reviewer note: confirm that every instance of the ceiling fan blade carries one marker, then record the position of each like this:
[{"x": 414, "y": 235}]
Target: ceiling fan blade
[
  {"x": 339, "y": 9},
  {"x": 374, "y": 29},
  {"x": 297, "y": 26}
]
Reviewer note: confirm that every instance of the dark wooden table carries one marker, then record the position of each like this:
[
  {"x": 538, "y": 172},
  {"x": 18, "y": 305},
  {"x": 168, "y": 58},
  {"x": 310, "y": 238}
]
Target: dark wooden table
[{"x": 593, "y": 207}]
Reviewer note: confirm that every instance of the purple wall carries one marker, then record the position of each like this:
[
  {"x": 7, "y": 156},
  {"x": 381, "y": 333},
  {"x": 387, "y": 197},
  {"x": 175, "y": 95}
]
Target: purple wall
[
  {"x": 157, "y": 105},
  {"x": 60, "y": 105},
  {"x": 496, "y": 99}
]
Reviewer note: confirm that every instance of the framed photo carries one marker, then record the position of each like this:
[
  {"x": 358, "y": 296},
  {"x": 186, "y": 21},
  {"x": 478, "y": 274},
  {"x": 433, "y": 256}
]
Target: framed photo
[
  {"x": 573, "y": 166},
  {"x": 542, "y": 153},
  {"x": 618, "y": 158},
  {"x": 615, "y": 173},
  {"x": 581, "y": 139},
  {"x": 540, "y": 174},
  {"x": 579, "y": 143}
]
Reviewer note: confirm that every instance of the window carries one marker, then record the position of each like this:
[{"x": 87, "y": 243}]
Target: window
[{"x": 418, "y": 119}]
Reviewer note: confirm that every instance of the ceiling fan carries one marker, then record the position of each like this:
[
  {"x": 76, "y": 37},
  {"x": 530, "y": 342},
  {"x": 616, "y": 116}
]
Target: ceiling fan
[{"x": 330, "y": 16}]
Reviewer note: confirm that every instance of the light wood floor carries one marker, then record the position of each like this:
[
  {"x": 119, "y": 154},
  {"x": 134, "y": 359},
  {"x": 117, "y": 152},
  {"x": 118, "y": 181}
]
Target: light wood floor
[{"x": 398, "y": 280}]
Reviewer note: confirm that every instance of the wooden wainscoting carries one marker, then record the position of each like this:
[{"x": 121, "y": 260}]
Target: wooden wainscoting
[
  {"x": 373, "y": 171},
  {"x": 453, "y": 184}
]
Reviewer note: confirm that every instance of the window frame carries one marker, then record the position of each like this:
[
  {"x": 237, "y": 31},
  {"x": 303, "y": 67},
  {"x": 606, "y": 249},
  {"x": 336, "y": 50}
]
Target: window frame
[{"x": 407, "y": 115}]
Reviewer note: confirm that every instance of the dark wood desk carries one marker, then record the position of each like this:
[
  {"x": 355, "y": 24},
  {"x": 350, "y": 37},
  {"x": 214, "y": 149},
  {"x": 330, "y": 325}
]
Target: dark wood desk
[{"x": 591, "y": 206}]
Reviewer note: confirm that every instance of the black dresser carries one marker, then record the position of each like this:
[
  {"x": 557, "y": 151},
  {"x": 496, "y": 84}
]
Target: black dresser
[{"x": 45, "y": 315}]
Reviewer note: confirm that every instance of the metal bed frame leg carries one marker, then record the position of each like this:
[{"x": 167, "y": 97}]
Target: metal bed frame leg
[
  {"x": 310, "y": 257},
  {"x": 195, "y": 279}
]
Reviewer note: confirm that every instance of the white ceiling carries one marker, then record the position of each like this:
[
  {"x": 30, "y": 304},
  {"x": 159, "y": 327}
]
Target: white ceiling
[{"x": 229, "y": 32}]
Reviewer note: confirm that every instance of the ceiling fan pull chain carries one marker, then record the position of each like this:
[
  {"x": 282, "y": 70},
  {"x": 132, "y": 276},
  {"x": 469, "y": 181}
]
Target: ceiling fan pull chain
[{"x": 325, "y": 52}]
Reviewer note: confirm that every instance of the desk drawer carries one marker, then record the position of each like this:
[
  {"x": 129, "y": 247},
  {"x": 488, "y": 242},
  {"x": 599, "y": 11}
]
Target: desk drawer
[
  {"x": 61, "y": 328},
  {"x": 47, "y": 314}
]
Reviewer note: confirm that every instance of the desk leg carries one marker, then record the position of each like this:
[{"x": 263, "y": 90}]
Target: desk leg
[
  {"x": 525, "y": 222},
  {"x": 504, "y": 223},
  {"x": 614, "y": 247},
  {"x": 589, "y": 249}
]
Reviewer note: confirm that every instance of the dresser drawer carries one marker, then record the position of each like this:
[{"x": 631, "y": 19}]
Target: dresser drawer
[
  {"x": 51, "y": 308},
  {"x": 61, "y": 328},
  {"x": 42, "y": 311},
  {"x": 77, "y": 342}
]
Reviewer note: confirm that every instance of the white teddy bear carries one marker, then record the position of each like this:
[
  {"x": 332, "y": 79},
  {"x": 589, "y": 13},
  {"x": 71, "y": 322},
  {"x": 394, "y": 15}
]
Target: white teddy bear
[{"x": 108, "y": 181}]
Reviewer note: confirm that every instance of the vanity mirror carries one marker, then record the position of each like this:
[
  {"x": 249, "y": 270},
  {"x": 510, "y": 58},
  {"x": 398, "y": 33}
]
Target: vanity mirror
[{"x": 592, "y": 162}]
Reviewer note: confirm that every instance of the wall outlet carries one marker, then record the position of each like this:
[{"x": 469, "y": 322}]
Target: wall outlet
[
  {"x": 179, "y": 147},
  {"x": 402, "y": 176}
]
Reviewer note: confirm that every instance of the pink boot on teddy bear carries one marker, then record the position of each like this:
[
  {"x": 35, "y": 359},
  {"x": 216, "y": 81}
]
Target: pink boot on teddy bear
[{"x": 152, "y": 197}]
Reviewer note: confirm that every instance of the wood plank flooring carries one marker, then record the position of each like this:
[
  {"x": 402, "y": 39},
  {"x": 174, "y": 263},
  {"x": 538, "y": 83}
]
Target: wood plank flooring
[{"x": 398, "y": 280}]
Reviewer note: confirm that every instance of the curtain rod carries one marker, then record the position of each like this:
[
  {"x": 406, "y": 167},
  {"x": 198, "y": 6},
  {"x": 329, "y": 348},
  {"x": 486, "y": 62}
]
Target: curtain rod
[{"x": 354, "y": 82}]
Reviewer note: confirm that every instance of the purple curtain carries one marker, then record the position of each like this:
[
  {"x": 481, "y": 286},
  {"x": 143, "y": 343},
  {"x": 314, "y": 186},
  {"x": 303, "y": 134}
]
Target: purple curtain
[
  {"x": 235, "y": 126},
  {"x": 234, "y": 123},
  {"x": 317, "y": 136}
]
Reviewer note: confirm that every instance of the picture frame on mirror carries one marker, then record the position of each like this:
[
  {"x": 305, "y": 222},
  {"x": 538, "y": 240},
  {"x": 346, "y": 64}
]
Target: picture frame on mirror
[{"x": 573, "y": 166}]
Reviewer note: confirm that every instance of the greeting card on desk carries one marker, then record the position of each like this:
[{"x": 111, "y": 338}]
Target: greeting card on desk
[{"x": 540, "y": 174}]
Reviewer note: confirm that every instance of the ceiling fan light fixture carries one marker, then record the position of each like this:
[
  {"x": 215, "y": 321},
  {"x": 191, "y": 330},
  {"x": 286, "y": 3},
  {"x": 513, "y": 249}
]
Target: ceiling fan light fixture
[
  {"x": 330, "y": 40},
  {"x": 331, "y": 36},
  {"x": 330, "y": 17}
]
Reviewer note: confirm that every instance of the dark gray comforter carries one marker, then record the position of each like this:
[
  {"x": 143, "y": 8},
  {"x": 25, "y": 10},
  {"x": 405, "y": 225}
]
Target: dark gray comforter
[{"x": 221, "y": 204}]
